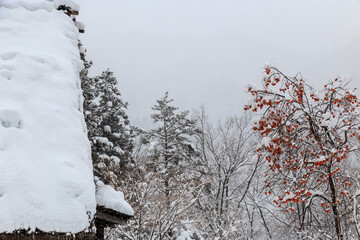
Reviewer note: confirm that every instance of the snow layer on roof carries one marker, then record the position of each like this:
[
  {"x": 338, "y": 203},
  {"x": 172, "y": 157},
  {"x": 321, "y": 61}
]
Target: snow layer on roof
[
  {"x": 46, "y": 178},
  {"x": 31, "y": 5},
  {"x": 108, "y": 197}
]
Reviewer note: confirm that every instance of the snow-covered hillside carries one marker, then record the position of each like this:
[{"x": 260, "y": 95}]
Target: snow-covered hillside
[{"x": 46, "y": 178}]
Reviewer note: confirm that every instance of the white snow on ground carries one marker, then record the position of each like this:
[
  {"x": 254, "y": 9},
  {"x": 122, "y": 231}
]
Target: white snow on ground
[
  {"x": 46, "y": 178},
  {"x": 108, "y": 197}
]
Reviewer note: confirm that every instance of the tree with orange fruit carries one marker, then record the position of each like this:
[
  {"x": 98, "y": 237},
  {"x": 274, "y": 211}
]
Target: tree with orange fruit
[{"x": 307, "y": 137}]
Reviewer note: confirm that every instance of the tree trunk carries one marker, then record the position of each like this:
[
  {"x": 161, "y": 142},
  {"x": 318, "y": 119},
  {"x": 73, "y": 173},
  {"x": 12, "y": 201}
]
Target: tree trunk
[
  {"x": 335, "y": 206},
  {"x": 166, "y": 159}
]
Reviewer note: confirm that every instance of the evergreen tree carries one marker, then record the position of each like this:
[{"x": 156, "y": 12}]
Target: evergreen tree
[
  {"x": 164, "y": 186},
  {"x": 109, "y": 129},
  {"x": 171, "y": 140}
]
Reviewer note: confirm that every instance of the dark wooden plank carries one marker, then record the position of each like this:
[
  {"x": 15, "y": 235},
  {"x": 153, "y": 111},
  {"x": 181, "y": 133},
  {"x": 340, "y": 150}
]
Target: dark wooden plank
[
  {"x": 111, "y": 217},
  {"x": 39, "y": 235}
]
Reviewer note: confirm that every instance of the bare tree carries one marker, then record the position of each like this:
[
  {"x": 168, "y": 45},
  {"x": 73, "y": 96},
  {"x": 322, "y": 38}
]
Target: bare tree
[{"x": 227, "y": 164}]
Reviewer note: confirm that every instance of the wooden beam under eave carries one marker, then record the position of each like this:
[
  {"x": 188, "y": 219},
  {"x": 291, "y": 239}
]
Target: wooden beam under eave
[{"x": 110, "y": 219}]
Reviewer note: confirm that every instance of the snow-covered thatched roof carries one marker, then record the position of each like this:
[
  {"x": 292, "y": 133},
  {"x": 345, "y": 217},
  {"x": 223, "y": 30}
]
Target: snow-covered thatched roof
[
  {"x": 108, "y": 197},
  {"x": 46, "y": 179}
]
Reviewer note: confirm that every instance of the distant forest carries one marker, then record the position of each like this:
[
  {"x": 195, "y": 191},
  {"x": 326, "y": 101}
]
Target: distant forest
[{"x": 285, "y": 169}]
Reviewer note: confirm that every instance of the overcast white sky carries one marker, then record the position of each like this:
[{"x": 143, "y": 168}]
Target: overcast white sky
[{"x": 206, "y": 51}]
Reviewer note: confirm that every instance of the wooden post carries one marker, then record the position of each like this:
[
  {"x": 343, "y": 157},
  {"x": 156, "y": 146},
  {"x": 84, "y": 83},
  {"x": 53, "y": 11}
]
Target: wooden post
[{"x": 100, "y": 229}]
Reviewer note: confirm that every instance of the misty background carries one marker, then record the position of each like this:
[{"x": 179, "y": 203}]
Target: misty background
[{"x": 207, "y": 51}]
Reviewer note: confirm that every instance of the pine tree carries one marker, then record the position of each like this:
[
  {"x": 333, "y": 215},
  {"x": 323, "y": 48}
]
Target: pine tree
[
  {"x": 171, "y": 140},
  {"x": 164, "y": 187},
  {"x": 109, "y": 128}
]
